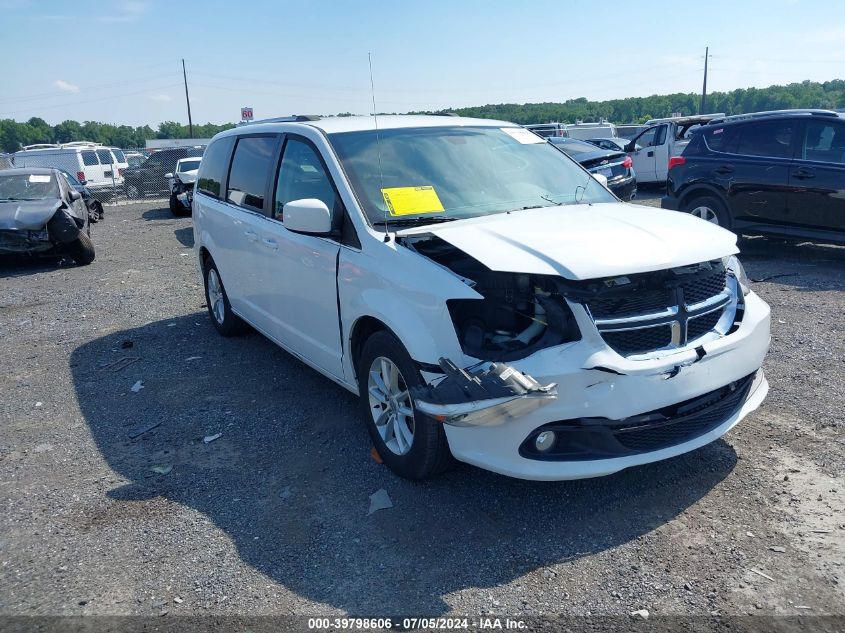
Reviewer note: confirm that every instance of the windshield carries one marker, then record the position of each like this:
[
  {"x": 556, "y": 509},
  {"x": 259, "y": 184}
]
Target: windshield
[
  {"x": 189, "y": 165},
  {"x": 444, "y": 173},
  {"x": 28, "y": 187}
]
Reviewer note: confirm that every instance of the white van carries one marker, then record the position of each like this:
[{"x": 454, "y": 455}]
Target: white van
[
  {"x": 486, "y": 297},
  {"x": 98, "y": 167}
]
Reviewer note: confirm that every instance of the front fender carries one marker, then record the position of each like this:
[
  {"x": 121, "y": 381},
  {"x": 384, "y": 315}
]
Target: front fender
[
  {"x": 62, "y": 227},
  {"x": 420, "y": 329},
  {"x": 407, "y": 293}
]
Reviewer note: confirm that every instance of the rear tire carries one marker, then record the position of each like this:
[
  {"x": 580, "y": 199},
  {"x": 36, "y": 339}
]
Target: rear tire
[
  {"x": 226, "y": 322},
  {"x": 710, "y": 209},
  {"x": 81, "y": 250},
  {"x": 427, "y": 454}
]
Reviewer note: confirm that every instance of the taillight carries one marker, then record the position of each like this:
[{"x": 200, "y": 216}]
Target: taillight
[
  {"x": 676, "y": 160},
  {"x": 627, "y": 163},
  {"x": 120, "y": 172},
  {"x": 80, "y": 176}
]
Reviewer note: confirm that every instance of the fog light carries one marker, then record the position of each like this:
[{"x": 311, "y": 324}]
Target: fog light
[{"x": 544, "y": 441}]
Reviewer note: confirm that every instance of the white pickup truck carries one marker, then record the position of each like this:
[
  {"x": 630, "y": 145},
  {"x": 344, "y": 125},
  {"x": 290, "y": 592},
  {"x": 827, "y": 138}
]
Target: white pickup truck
[{"x": 652, "y": 148}]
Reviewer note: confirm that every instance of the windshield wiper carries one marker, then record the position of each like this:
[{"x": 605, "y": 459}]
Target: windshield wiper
[{"x": 417, "y": 221}]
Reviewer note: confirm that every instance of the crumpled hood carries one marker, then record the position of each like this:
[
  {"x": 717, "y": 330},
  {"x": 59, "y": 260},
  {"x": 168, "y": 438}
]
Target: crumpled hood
[
  {"x": 188, "y": 177},
  {"x": 30, "y": 215},
  {"x": 585, "y": 241}
]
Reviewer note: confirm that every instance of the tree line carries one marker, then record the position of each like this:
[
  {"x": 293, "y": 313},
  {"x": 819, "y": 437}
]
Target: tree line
[
  {"x": 14, "y": 135},
  {"x": 806, "y": 94}
]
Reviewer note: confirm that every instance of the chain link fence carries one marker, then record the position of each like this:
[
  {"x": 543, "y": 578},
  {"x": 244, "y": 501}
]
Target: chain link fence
[{"x": 111, "y": 174}]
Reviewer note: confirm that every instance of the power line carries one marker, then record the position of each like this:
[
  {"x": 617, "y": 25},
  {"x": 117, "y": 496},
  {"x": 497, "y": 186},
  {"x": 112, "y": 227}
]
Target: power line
[
  {"x": 73, "y": 103},
  {"x": 54, "y": 94}
]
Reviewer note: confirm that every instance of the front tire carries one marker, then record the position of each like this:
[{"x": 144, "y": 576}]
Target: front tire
[
  {"x": 412, "y": 445},
  {"x": 81, "y": 250},
  {"x": 226, "y": 322},
  {"x": 709, "y": 209},
  {"x": 176, "y": 207}
]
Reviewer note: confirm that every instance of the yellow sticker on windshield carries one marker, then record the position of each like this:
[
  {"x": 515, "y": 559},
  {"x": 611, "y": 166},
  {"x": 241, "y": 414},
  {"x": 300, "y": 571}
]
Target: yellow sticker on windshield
[{"x": 412, "y": 200}]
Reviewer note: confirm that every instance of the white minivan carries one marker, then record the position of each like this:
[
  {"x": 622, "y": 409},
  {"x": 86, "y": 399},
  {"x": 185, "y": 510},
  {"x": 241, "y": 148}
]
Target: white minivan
[
  {"x": 486, "y": 297},
  {"x": 98, "y": 167}
]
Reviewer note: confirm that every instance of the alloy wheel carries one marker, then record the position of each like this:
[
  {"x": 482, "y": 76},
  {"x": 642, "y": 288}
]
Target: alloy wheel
[
  {"x": 215, "y": 296},
  {"x": 705, "y": 213},
  {"x": 390, "y": 405}
]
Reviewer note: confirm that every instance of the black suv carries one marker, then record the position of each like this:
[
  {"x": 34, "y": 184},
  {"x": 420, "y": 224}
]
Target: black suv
[
  {"x": 150, "y": 177},
  {"x": 771, "y": 173}
]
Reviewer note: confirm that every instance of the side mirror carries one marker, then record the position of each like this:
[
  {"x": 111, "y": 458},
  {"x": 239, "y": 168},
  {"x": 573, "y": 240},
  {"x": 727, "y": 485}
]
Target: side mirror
[
  {"x": 74, "y": 195},
  {"x": 308, "y": 215},
  {"x": 168, "y": 175},
  {"x": 602, "y": 179},
  {"x": 631, "y": 147}
]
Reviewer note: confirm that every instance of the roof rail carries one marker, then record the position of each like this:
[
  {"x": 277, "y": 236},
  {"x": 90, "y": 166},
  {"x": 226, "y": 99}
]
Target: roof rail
[
  {"x": 41, "y": 146},
  {"x": 769, "y": 113},
  {"x": 294, "y": 118},
  {"x": 81, "y": 144}
]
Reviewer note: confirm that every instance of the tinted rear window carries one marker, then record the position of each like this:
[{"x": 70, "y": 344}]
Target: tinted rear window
[
  {"x": 766, "y": 138},
  {"x": 89, "y": 158},
  {"x": 574, "y": 148},
  {"x": 251, "y": 165},
  {"x": 215, "y": 161},
  {"x": 105, "y": 156}
]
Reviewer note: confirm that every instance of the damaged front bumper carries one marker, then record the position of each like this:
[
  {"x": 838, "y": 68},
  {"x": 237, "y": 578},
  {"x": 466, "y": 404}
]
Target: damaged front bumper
[
  {"x": 598, "y": 387},
  {"x": 491, "y": 393},
  {"x": 23, "y": 241}
]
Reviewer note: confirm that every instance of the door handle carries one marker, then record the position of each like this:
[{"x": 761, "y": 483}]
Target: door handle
[
  {"x": 650, "y": 154},
  {"x": 270, "y": 243},
  {"x": 252, "y": 236},
  {"x": 804, "y": 174},
  {"x": 724, "y": 170}
]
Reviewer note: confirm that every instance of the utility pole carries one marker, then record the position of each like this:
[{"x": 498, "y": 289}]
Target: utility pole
[
  {"x": 188, "y": 100},
  {"x": 703, "y": 88}
]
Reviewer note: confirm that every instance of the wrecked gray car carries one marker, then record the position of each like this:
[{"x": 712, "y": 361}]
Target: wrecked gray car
[{"x": 41, "y": 214}]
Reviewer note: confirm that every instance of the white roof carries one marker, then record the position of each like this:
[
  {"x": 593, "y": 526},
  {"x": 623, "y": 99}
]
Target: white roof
[{"x": 331, "y": 125}]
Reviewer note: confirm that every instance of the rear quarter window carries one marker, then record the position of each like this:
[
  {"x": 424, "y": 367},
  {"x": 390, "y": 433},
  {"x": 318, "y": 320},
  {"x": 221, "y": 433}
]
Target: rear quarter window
[
  {"x": 720, "y": 139},
  {"x": 89, "y": 159},
  {"x": 215, "y": 163},
  {"x": 121, "y": 158}
]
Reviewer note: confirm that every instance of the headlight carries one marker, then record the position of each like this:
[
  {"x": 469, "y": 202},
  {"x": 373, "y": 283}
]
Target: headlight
[{"x": 733, "y": 265}]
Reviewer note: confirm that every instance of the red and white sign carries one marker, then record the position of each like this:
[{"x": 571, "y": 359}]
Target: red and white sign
[{"x": 246, "y": 114}]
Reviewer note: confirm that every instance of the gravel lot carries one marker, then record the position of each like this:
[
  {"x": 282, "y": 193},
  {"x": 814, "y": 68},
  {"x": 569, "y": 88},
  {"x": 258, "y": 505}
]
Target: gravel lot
[{"x": 271, "y": 518}]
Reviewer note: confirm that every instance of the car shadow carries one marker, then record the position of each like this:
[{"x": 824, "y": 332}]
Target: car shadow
[
  {"x": 162, "y": 213},
  {"x": 290, "y": 476},
  {"x": 185, "y": 236},
  {"x": 805, "y": 266},
  {"x": 20, "y": 265}
]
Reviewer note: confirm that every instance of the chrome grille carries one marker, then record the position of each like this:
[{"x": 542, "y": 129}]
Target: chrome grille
[
  {"x": 704, "y": 287},
  {"x": 652, "y": 311}
]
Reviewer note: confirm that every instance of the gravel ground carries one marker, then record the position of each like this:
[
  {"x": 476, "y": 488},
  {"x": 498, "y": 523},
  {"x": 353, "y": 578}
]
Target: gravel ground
[{"x": 271, "y": 517}]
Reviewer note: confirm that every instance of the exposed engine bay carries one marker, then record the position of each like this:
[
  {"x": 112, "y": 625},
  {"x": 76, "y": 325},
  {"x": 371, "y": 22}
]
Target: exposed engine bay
[
  {"x": 518, "y": 315},
  {"x": 522, "y": 313}
]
